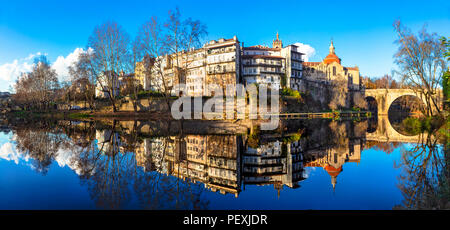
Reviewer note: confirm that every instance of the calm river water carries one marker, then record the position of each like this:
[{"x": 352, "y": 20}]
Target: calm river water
[{"x": 314, "y": 164}]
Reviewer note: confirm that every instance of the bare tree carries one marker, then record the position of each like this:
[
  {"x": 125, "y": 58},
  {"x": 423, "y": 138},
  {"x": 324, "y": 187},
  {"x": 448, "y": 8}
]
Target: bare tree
[
  {"x": 167, "y": 47},
  {"x": 151, "y": 42},
  {"x": 23, "y": 95},
  {"x": 359, "y": 101},
  {"x": 421, "y": 61},
  {"x": 182, "y": 37},
  {"x": 111, "y": 57},
  {"x": 338, "y": 92},
  {"x": 37, "y": 89},
  {"x": 132, "y": 85},
  {"x": 83, "y": 78}
]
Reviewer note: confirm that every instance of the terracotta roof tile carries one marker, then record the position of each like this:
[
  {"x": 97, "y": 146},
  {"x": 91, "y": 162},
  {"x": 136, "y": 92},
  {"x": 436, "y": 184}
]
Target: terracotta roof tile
[
  {"x": 352, "y": 68},
  {"x": 259, "y": 47},
  {"x": 311, "y": 63}
]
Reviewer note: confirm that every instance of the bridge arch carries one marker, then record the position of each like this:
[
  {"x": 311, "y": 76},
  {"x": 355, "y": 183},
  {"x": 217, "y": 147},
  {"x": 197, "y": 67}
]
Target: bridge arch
[
  {"x": 384, "y": 132},
  {"x": 372, "y": 104},
  {"x": 385, "y": 97},
  {"x": 399, "y": 107}
]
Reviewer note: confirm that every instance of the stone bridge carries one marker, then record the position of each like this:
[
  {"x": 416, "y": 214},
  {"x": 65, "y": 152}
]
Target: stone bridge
[
  {"x": 386, "y": 133},
  {"x": 385, "y": 97}
]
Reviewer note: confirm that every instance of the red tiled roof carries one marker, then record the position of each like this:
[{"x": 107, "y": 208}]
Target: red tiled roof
[
  {"x": 352, "y": 68},
  {"x": 332, "y": 58},
  {"x": 311, "y": 63},
  {"x": 259, "y": 47},
  {"x": 332, "y": 170}
]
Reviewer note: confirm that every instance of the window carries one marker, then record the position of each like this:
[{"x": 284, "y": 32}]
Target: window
[{"x": 334, "y": 70}]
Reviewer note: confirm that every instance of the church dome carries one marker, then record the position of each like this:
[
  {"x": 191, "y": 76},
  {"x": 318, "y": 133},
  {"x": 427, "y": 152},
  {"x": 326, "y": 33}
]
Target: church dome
[
  {"x": 332, "y": 57},
  {"x": 332, "y": 171}
]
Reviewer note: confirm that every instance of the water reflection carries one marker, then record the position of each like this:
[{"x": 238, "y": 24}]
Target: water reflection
[
  {"x": 135, "y": 164},
  {"x": 425, "y": 178}
]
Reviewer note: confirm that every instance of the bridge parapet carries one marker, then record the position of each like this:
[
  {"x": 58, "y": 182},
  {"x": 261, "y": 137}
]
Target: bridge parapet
[{"x": 385, "y": 97}]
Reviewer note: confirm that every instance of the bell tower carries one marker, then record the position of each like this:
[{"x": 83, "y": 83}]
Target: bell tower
[
  {"x": 277, "y": 43},
  {"x": 331, "y": 47}
]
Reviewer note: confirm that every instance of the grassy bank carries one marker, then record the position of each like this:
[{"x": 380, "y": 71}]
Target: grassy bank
[
  {"x": 414, "y": 125},
  {"x": 36, "y": 114}
]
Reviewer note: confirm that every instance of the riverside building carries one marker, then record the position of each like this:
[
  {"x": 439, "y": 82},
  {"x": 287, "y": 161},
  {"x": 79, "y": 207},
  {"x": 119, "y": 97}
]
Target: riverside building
[{"x": 228, "y": 62}]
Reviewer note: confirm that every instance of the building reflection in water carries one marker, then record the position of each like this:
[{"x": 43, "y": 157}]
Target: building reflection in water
[
  {"x": 333, "y": 159},
  {"x": 171, "y": 170},
  {"x": 208, "y": 159},
  {"x": 274, "y": 163},
  {"x": 226, "y": 164},
  {"x": 107, "y": 159}
]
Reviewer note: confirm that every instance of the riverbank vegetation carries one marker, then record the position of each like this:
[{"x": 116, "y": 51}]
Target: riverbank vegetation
[{"x": 414, "y": 125}]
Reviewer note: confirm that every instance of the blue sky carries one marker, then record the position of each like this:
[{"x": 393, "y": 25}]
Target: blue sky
[{"x": 362, "y": 31}]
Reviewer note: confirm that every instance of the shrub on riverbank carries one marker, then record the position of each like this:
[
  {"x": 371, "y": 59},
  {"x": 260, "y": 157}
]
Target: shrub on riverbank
[
  {"x": 79, "y": 115},
  {"x": 149, "y": 93},
  {"x": 290, "y": 92},
  {"x": 415, "y": 125},
  {"x": 412, "y": 125}
]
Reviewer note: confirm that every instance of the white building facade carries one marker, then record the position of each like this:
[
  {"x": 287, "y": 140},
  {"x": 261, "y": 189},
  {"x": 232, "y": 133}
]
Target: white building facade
[{"x": 275, "y": 66}]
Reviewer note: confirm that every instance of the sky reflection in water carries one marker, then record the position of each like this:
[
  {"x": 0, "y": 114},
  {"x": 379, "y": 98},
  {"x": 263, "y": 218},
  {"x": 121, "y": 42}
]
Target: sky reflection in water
[{"x": 82, "y": 178}]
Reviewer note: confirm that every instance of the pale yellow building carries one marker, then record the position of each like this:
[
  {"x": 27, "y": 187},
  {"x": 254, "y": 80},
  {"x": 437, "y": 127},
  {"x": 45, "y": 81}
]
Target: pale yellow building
[
  {"x": 141, "y": 73},
  {"x": 216, "y": 62},
  {"x": 330, "y": 69}
]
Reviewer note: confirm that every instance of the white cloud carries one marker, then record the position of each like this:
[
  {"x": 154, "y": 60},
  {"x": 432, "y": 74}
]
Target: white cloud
[
  {"x": 62, "y": 64},
  {"x": 308, "y": 50},
  {"x": 66, "y": 157},
  {"x": 32, "y": 56},
  {"x": 8, "y": 152},
  {"x": 9, "y": 72},
  {"x": 309, "y": 171}
]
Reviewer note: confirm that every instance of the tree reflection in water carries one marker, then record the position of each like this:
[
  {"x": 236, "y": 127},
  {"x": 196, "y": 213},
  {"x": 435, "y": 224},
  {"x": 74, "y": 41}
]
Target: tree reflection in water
[
  {"x": 41, "y": 145},
  {"x": 425, "y": 177},
  {"x": 122, "y": 167},
  {"x": 113, "y": 173},
  {"x": 105, "y": 162}
]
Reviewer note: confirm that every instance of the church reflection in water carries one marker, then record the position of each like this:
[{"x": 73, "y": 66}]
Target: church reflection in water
[
  {"x": 174, "y": 165},
  {"x": 227, "y": 163}
]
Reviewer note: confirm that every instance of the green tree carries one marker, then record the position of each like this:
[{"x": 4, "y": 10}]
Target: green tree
[
  {"x": 446, "y": 42},
  {"x": 446, "y": 85},
  {"x": 446, "y": 76}
]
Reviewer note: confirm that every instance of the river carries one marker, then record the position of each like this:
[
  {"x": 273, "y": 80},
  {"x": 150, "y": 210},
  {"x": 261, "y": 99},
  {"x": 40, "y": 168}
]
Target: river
[{"x": 310, "y": 164}]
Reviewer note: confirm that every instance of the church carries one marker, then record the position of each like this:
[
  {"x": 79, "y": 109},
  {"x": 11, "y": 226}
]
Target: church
[{"x": 330, "y": 69}]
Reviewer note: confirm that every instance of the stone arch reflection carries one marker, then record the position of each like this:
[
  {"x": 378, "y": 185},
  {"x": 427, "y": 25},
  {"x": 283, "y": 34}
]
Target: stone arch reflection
[
  {"x": 402, "y": 108},
  {"x": 372, "y": 104}
]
